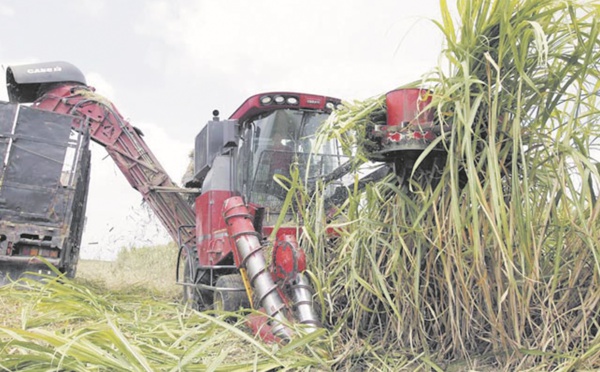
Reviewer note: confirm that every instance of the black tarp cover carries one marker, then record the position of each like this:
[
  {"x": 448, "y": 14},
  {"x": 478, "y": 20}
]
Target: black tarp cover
[{"x": 30, "y": 178}]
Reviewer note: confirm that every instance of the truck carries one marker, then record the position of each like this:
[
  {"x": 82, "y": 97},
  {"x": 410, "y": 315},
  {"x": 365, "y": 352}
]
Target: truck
[
  {"x": 236, "y": 185},
  {"x": 44, "y": 177}
]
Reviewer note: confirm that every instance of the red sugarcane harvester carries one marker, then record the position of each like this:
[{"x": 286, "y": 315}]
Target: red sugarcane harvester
[{"x": 237, "y": 199}]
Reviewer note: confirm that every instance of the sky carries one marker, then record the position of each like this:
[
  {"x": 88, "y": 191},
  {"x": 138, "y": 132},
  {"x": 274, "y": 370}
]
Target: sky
[{"x": 167, "y": 64}]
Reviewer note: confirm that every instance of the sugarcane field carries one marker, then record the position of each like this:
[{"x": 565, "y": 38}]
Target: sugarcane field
[{"x": 447, "y": 223}]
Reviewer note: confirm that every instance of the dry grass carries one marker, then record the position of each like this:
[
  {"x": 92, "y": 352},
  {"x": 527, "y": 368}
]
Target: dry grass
[
  {"x": 114, "y": 317},
  {"x": 149, "y": 268}
]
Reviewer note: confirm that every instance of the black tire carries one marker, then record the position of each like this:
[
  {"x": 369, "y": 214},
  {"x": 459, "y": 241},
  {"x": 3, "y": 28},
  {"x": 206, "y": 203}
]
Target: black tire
[
  {"x": 71, "y": 267},
  {"x": 71, "y": 271},
  {"x": 197, "y": 298},
  {"x": 228, "y": 300}
]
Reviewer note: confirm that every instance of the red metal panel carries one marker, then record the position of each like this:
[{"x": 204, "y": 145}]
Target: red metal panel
[
  {"x": 408, "y": 106},
  {"x": 211, "y": 231},
  {"x": 288, "y": 258}
]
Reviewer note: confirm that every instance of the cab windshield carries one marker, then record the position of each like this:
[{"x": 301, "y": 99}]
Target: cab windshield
[{"x": 280, "y": 139}]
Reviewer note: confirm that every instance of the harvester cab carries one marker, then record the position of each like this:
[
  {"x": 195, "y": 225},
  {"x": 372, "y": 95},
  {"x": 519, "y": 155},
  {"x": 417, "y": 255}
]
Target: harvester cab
[{"x": 242, "y": 166}]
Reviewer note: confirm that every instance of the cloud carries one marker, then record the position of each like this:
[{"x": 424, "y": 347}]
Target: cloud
[
  {"x": 171, "y": 153},
  {"x": 92, "y": 7},
  {"x": 6, "y": 11},
  {"x": 351, "y": 47}
]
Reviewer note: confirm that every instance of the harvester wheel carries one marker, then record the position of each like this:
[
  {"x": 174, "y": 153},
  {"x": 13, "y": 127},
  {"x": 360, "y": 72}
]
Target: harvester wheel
[
  {"x": 192, "y": 294},
  {"x": 233, "y": 295}
]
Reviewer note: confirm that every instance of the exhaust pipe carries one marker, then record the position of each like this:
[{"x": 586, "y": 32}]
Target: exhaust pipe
[{"x": 241, "y": 229}]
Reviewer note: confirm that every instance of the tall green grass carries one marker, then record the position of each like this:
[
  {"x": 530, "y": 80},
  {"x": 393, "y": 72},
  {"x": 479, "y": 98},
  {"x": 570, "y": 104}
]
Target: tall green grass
[{"x": 499, "y": 260}]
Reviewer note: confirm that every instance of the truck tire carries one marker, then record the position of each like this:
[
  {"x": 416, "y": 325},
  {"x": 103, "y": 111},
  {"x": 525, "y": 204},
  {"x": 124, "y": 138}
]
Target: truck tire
[
  {"x": 230, "y": 300},
  {"x": 71, "y": 271}
]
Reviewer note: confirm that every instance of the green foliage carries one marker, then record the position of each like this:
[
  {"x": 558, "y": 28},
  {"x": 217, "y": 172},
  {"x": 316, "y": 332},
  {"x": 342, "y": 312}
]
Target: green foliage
[{"x": 499, "y": 258}]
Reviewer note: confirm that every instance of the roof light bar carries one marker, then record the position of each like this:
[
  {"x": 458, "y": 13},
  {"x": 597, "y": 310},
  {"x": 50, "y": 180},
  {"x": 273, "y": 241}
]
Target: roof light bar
[{"x": 265, "y": 102}]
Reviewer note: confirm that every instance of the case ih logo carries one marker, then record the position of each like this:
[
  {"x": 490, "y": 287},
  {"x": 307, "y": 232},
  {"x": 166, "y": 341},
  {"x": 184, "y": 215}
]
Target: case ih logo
[
  {"x": 312, "y": 101},
  {"x": 41, "y": 70}
]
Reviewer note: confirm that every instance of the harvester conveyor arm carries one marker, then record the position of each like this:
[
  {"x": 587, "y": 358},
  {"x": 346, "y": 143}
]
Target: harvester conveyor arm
[{"x": 130, "y": 153}]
